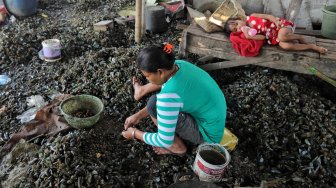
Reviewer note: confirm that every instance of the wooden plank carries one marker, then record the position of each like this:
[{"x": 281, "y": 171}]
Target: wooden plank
[
  {"x": 206, "y": 43},
  {"x": 316, "y": 33},
  {"x": 292, "y": 66},
  {"x": 230, "y": 54},
  {"x": 289, "y": 62},
  {"x": 310, "y": 39},
  {"x": 196, "y": 30},
  {"x": 216, "y": 52},
  {"x": 233, "y": 63},
  {"x": 183, "y": 44},
  {"x": 216, "y": 40},
  {"x": 300, "y": 66},
  {"x": 329, "y": 46},
  {"x": 218, "y": 45},
  {"x": 329, "y": 55},
  {"x": 326, "y": 40},
  {"x": 103, "y": 25},
  {"x": 308, "y": 53},
  {"x": 205, "y": 58},
  {"x": 327, "y": 67}
]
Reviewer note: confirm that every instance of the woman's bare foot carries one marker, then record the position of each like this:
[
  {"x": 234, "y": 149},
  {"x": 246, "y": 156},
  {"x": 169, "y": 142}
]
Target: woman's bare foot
[
  {"x": 164, "y": 151},
  {"x": 137, "y": 86},
  {"x": 320, "y": 49}
]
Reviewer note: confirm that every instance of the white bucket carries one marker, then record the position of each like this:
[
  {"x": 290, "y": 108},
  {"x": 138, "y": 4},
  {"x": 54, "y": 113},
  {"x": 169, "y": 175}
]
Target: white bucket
[
  {"x": 51, "y": 49},
  {"x": 210, "y": 162}
]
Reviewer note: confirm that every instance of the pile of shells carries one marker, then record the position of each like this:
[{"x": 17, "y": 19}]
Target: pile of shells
[{"x": 284, "y": 121}]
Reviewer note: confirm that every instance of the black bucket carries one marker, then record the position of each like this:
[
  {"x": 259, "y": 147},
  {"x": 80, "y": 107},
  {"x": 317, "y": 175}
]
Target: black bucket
[{"x": 155, "y": 19}]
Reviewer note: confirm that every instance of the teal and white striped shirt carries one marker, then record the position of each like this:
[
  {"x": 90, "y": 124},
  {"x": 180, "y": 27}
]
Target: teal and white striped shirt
[
  {"x": 168, "y": 106},
  {"x": 190, "y": 90}
]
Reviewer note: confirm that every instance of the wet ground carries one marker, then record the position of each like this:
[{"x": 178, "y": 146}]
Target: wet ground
[{"x": 285, "y": 122}]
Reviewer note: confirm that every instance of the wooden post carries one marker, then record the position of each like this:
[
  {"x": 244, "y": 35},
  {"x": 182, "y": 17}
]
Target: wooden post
[
  {"x": 138, "y": 13},
  {"x": 143, "y": 23}
]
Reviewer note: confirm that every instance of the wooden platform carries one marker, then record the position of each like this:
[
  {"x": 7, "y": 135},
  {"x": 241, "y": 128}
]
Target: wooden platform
[{"x": 195, "y": 40}]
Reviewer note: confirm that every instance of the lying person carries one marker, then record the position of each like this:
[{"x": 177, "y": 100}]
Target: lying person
[
  {"x": 274, "y": 30},
  {"x": 190, "y": 105}
]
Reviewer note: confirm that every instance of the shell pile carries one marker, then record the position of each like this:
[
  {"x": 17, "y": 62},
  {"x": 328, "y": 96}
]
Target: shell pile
[{"x": 285, "y": 122}]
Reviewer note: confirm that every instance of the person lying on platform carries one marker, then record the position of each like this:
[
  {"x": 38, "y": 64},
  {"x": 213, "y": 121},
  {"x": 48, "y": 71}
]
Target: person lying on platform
[
  {"x": 272, "y": 29},
  {"x": 190, "y": 105}
]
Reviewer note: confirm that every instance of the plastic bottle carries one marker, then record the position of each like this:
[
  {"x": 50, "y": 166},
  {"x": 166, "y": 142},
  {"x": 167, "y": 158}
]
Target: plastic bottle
[
  {"x": 250, "y": 31},
  {"x": 4, "y": 79}
]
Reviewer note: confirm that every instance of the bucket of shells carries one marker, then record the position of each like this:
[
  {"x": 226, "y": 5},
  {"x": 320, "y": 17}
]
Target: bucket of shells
[{"x": 82, "y": 111}]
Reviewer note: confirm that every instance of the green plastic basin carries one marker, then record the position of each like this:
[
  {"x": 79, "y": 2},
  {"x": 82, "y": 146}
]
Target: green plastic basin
[{"x": 81, "y": 103}]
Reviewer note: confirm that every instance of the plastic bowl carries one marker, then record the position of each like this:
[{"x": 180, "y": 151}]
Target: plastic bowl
[{"x": 88, "y": 103}]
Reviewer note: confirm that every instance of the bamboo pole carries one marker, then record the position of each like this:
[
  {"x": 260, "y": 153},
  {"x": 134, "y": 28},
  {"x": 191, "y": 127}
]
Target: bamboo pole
[
  {"x": 143, "y": 20},
  {"x": 138, "y": 10}
]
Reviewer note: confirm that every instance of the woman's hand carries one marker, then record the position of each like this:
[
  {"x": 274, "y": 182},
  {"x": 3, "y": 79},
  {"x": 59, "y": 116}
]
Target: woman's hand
[
  {"x": 131, "y": 121},
  {"x": 128, "y": 133}
]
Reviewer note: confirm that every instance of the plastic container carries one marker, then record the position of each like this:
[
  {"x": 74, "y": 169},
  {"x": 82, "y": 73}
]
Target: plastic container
[
  {"x": 250, "y": 31},
  {"x": 4, "y": 79},
  {"x": 328, "y": 28},
  {"x": 21, "y": 8},
  {"x": 210, "y": 162},
  {"x": 155, "y": 19},
  {"x": 51, "y": 50},
  {"x": 229, "y": 140},
  {"x": 72, "y": 105}
]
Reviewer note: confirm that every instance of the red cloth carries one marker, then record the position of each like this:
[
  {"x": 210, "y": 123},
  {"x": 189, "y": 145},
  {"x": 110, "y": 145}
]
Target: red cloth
[
  {"x": 3, "y": 13},
  {"x": 3, "y": 10},
  {"x": 245, "y": 47}
]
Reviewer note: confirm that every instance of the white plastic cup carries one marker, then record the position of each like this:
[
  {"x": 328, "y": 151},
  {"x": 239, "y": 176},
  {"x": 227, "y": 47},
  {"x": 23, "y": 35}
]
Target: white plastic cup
[{"x": 51, "y": 49}]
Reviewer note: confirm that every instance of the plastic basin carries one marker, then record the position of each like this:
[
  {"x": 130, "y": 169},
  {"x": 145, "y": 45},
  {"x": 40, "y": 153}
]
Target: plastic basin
[{"x": 82, "y": 103}]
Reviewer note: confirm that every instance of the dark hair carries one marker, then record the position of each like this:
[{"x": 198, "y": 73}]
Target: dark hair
[
  {"x": 227, "y": 30},
  {"x": 153, "y": 58}
]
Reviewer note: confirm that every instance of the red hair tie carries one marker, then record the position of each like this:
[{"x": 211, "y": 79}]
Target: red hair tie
[{"x": 168, "y": 48}]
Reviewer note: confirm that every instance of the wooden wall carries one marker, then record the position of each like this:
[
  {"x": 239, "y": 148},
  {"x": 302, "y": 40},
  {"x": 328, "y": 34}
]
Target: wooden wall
[{"x": 309, "y": 12}]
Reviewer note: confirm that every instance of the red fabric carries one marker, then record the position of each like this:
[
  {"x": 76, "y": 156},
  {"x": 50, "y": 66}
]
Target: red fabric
[
  {"x": 3, "y": 10},
  {"x": 3, "y": 13},
  {"x": 245, "y": 47}
]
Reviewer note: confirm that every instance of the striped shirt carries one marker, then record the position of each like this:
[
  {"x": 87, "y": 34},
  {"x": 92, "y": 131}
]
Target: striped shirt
[
  {"x": 193, "y": 91},
  {"x": 168, "y": 106}
]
